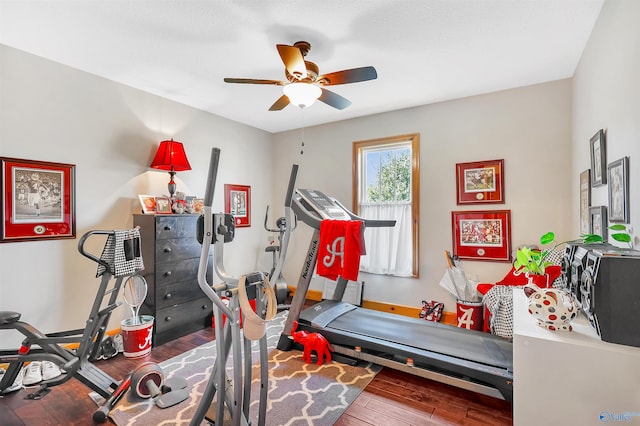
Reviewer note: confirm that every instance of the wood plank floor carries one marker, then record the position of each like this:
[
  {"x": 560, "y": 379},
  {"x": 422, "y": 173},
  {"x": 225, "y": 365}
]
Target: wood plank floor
[{"x": 392, "y": 398}]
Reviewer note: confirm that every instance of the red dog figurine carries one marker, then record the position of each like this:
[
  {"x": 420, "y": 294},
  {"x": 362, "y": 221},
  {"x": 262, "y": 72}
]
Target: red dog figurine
[{"x": 312, "y": 342}]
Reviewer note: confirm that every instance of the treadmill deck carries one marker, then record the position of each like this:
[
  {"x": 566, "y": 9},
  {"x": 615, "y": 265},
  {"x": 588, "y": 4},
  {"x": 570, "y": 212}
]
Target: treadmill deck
[{"x": 464, "y": 352}]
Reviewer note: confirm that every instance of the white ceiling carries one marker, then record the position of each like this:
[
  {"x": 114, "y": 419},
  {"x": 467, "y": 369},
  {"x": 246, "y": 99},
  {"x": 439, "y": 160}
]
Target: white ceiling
[{"x": 425, "y": 51}]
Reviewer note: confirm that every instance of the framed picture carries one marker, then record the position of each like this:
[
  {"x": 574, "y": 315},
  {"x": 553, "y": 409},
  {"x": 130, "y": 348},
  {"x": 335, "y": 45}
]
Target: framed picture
[
  {"x": 482, "y": 235},
  {"x": 585, "y": 201},
  {"x": 163, "y": 205},
  {"x": 148, "y": 203},
  {"x": 618, "y": 175},
  {"x": 598, "y": 216},
  {"x": 237, "y": 202},
  {"x": 598, "y": 159},
  {"x": 38, "y": 200},
  {"x": 480, "y": 182},
  {"x": 198, "y": 205}
]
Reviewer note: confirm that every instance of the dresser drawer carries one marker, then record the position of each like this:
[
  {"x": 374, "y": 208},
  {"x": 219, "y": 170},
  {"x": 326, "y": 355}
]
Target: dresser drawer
[
  {"x": 178, "y": 293},
  {"x": 177, "y": 249},
  {"x": 179, "y": 315},
  {"x": 182, "y": 270},
  {"x": 176, "y": 227}
]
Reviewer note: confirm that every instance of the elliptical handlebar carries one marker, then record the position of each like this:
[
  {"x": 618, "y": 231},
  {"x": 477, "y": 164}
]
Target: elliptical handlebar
[
  {"x": 284, "y": 243},
  {"x": 207, "y": 237}
]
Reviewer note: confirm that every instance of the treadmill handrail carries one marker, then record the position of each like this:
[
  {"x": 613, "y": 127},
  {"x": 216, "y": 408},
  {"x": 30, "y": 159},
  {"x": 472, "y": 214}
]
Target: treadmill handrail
[
  {"x": 305, "y": 215},
  {"x": 369, "y": 223}
]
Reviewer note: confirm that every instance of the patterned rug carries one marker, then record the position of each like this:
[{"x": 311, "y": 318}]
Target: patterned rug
[{"x": 299, "y": 393}]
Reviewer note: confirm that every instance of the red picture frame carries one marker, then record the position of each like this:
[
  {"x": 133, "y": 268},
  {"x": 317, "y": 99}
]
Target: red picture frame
[
  {"x": 38, "y": 200},
  {"x": 237, "y": 202},
  {"x": 480, "y": 182},
  {"x": 482, "y": 235}
]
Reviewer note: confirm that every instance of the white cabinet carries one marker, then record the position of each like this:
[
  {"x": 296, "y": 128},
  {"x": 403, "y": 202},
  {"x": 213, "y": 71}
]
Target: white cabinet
[{"x": 571, "y": 378}]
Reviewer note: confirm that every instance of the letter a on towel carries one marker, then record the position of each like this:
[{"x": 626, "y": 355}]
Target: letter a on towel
[{"x": 340, "y": 249}]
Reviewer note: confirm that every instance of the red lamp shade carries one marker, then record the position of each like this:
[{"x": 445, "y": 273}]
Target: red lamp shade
[{"x": 171, "y": 157}]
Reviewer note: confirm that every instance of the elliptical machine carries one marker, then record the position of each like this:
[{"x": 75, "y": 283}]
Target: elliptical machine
[
  {"x": 234, "y": 393},
  {"x": 279, "y": 283}
]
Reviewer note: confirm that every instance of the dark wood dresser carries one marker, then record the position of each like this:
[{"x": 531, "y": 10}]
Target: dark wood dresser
[{"x": 171, "y": 254}]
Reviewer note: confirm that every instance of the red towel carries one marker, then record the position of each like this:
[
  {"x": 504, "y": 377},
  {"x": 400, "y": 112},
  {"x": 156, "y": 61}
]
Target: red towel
[{"x": 341, "y": 245}]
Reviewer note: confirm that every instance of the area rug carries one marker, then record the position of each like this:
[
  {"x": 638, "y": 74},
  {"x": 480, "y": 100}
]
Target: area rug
[{"x": 299, "y": 393}]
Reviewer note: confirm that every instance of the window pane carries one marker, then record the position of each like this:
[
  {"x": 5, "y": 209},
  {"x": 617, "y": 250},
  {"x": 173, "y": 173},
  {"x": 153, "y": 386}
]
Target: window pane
[{"x": 387, "y": 176}]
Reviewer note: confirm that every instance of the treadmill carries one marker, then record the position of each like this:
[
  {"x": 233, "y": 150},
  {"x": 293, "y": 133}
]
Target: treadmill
[{"x": 468, "y": 359}]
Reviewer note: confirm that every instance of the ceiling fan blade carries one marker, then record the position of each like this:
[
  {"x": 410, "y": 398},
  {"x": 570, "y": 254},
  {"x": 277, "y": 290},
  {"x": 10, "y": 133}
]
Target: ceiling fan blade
[
  {"x": 253, "y": 81},
  {"x": 293, "y": 60},
  {"x": 348, "y": 76},
  {"x": 278, "y": 105},
  {"x": 334, "y": 100}
]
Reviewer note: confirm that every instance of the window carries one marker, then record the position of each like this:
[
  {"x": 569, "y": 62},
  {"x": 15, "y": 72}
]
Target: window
[{"x": 386, "y": 186}]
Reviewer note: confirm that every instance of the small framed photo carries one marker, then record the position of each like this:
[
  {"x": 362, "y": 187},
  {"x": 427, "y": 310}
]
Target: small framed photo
[
  {"x": 482, "y": 235},
  {"x": 198, "y": 205},
  {"x": 163, "y": 205},
  {"x": 618, "y": 175},
  {"x": 585, "y": 201},
  {"x": 599, "y": 222},
  {"x": 38, "y": 200},
  {"x": 148, "y": 203},
  {"x": 480, "y": 182},
  {"x": 598, "y": 159},
  {"x": 237, "y": 202}
]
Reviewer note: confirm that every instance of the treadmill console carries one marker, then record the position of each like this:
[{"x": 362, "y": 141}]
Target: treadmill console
[{"x": 324, "y": 206}]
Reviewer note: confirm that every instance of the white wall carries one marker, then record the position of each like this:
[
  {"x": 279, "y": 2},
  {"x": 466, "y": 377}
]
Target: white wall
[
  {"x": 54, "y": 113},
  {"x": 527, "y": 127},
  {"x": 606, "y": 95},
  {"x": 51, "y": 112}
]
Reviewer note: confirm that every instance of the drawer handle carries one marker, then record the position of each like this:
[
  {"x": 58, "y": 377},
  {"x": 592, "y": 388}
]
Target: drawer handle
[
  {"x": 167, "y": 228},
  {"x": 168, "y": 296},
  {"x": 167, "y": 319},
  {"x": 167, "y": 250},
  {"x": 167, "y": 274}
]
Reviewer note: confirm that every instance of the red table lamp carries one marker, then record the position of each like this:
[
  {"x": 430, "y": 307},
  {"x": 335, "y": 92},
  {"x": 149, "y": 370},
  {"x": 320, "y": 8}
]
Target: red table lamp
[{"x": 171, "y": 157}]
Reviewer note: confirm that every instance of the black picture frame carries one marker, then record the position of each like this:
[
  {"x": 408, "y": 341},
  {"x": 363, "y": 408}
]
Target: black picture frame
[
  {"x": 618, "y": 175},
  {"x": 598, "y": 149},
  {"x": 585, "y": 201},
  {"x": 598, "y": 216}
]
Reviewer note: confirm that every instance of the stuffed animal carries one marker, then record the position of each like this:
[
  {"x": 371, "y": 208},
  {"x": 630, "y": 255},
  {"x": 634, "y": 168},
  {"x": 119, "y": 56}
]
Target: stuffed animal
[
  {"x": 179, "y": 203},
  {"x": 553, "y": 308},
  {"x": 312, "y": 342}
]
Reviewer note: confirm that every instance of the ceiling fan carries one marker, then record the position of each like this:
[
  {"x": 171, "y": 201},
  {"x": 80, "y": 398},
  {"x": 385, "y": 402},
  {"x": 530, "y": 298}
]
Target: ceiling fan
[{"x": 304, "y": 82}]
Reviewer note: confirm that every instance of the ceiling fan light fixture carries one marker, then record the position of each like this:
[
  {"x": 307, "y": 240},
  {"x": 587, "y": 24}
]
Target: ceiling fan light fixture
[{"x": 302, "y": 95}]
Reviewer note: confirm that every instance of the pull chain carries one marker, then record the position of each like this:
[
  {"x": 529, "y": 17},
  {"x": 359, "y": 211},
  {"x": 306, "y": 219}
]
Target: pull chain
[{"x": 302, "y": 134}]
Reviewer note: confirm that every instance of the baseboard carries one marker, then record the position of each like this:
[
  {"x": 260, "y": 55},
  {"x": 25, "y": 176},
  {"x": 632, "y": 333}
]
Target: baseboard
[
  {"x": 72, "y": 346},
  {"x": 449, "y": 318}
]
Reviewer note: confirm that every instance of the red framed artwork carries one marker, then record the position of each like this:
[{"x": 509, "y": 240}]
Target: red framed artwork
[
  {"x": 237, "y": 202},
  {"x": 482, "y": 235},
  {"x": 38, "y": 200},
  {"x": 480, "y": 182}
]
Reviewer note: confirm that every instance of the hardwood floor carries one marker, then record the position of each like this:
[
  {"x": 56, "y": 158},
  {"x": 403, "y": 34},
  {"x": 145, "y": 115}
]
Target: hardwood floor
[{"x": 392, "y": 398}]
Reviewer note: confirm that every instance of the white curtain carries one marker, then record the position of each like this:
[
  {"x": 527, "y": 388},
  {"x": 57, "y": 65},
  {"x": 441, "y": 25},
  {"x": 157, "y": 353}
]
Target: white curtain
[{"x": 389, "y": 250}]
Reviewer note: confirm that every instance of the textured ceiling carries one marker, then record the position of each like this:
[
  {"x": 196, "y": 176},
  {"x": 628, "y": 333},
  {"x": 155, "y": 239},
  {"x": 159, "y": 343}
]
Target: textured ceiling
[{"x": 425, "y": 51}]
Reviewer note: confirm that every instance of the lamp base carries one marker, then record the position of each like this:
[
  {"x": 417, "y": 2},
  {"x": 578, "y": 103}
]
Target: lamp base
[{"x": 172, "y": 185}]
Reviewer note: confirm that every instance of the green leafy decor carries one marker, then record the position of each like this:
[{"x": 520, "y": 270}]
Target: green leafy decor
[{"x": 533, "y": 261}]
